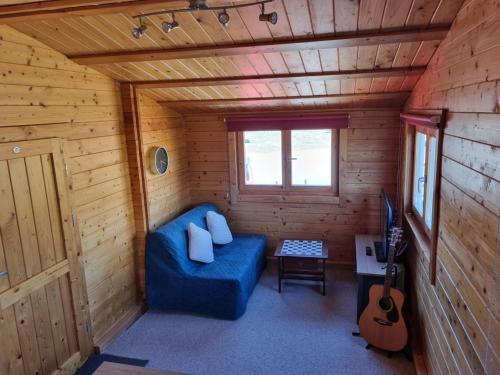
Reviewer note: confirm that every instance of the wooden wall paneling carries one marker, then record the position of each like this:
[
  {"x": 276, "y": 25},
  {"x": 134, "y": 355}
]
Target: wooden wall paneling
[
  {"x": 53, "y": 97},
  {"x": 466, "y": 287},
  {"x": 167, "y": 195},
  {"x": 360, "y": 184}
]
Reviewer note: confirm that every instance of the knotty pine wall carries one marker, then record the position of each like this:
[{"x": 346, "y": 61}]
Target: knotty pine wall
[
  {"x": 371, "y": 164},
  {"x": 46, "y": 95},
  {"x": 460, "y": 316},
  {"x": 167, "y": 195}
]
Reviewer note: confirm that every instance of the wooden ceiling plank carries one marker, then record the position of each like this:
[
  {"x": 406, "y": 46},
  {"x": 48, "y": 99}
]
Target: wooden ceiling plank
[
  {"x": 265, "y": 79},
  {"x": 348, "y": 57},
  {"x": 332, "y": 87},
  {"x": 318, "y": 88},
  {"x": 322, "y": 18},
  {"x": 363, "y": 85},
  {"x": 421, "y": 13},
  {"x": 304, "y": 88},
  {"x": 263, "y": 47},
  {"x": 346, "y": 16},
  {"x": 347, "y": 86},
  {"x": 276, "y": 62},
  {"x": 293, "y": 61},
  {"x": 379, "y": 84},
  {"x": 370, "y": 15},
  {"x": 282, "y": 29},
  {"x": 446, "y": 12},
  {"x": 249, "y": 16},
  {"x": 299, "y": 17},
  {"x": 329, "y": 59},
  {"x": 386, "y": 54},
  {"x": 366, "y": 57},
  {"x": 395, "y": 14}
]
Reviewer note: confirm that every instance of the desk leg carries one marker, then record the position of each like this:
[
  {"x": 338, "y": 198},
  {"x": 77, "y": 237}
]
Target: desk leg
[
  {"x": 324, "y": 277},
  {"x": 279, "y": 274}
]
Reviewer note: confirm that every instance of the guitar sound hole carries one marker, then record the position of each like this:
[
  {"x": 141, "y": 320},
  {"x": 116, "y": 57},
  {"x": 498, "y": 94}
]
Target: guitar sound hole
[{"x": 385, "y": 304}]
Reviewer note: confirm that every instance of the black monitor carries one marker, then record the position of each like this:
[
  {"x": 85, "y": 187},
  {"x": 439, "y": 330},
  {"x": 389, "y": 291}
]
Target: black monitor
[{"x": 387, "y": 219}]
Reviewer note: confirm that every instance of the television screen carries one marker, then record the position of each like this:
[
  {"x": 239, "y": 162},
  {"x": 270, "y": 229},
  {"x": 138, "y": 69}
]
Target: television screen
[{"x": 387, "y": 219}]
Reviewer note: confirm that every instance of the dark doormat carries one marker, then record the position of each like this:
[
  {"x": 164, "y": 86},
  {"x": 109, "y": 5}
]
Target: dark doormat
[{"x": 95, "y": 361}]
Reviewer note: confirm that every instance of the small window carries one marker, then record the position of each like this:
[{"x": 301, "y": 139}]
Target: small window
[
  {"x": 421, "y": 180},
  {"x": 262, "y": 158},
  {"x": 424, "y": 172},
  {"x": 300, "y": 162},
  {"x": 311, "y": 157}
]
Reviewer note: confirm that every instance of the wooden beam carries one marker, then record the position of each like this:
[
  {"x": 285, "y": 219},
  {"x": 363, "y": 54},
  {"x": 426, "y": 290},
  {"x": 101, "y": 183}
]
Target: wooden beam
[
  {"x": 133, "y": 139},
  {"x": 299, "y": 77},
  {"x": 42, "y": 10},
  {"x": 291, "y": 99},
  {"x": 324, "y": 42}
]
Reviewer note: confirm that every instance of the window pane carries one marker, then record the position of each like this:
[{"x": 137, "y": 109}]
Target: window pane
[
  {"x": 431, "y": 170},
  {"x": 263, "y": 157},
  {"x": 312, "y": 157},
  {"x": 419, "y": 173}
]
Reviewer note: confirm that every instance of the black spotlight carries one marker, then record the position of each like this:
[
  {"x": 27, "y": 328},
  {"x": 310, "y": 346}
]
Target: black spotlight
[
  {"x": 224, "y": 18},
  {"x": 138, "y": 31},
  {"x": 169, "y": 26},
  {"x": 268, "y": 17}
]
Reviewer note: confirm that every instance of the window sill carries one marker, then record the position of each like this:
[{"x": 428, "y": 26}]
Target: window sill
[
  {"x": 423, "y": 242},
  {"x": 287, "y": 198}
]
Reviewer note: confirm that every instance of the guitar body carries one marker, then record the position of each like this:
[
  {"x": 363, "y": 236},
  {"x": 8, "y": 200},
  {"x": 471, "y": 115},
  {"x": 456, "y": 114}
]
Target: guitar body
[{"x": 382, "y": 324}]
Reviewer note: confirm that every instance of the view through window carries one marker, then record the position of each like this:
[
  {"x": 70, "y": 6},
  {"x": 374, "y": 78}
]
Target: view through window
[{"x": 290, "y": 160}]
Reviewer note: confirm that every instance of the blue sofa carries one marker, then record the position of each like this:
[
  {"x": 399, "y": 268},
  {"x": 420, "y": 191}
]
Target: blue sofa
[{"x": 220, "y": 289}]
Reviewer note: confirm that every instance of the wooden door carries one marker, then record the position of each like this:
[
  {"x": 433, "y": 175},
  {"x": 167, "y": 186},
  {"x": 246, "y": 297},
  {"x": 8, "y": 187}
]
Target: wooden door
[{"x": 44, "y": 326}]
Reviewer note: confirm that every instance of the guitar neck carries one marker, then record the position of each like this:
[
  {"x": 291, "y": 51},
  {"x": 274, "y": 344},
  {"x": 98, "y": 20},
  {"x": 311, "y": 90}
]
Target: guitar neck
[{"x": 388, "y": 271}]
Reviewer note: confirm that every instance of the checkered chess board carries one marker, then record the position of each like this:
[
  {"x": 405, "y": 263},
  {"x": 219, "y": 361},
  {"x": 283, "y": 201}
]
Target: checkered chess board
[{"x": 302, "y": 248}]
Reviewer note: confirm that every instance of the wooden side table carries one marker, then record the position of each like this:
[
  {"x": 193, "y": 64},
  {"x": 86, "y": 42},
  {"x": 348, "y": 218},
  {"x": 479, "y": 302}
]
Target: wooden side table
[{"x": 302, "y": 250}]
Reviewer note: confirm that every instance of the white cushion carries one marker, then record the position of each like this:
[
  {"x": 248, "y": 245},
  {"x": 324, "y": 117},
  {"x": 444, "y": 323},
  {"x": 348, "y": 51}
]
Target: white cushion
[
  {"x": 200, "y": 244},
  {"x": 217, "y": 226}
]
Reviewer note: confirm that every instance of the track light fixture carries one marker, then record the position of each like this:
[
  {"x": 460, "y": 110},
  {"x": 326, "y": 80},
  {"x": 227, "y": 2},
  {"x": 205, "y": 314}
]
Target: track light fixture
[
  {"x": 201, "y": 5},
  {"x": 268, "y": 17},
  {"x": 224, "y": 18},
  {"x": 169, "y": 26},
  {"x": 198, "y": 4},
  {"x": 138, "y": 31}
]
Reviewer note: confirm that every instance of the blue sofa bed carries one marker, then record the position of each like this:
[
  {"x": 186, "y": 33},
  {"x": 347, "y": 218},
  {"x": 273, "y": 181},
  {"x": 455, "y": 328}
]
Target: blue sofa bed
[{"x": 219, "y": 289}]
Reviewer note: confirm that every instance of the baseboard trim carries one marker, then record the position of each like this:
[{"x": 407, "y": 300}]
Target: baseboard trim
[{"x": 118, "y": 327}]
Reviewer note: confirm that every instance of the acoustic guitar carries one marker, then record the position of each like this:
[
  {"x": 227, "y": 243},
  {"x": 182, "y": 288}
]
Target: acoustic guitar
[{"x": 382, "y": 324}]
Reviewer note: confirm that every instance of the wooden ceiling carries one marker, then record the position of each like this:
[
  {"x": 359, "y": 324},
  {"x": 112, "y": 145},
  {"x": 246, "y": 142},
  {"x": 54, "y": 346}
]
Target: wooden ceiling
[{"x": 321, "y": 52}]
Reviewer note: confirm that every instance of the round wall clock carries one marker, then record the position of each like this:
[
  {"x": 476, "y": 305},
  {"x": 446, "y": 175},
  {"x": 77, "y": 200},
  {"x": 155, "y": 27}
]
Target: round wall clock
[{"x": 158, "y": 160}]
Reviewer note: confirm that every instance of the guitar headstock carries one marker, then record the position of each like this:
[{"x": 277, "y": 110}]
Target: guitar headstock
[{"x": 395, "y": 235}]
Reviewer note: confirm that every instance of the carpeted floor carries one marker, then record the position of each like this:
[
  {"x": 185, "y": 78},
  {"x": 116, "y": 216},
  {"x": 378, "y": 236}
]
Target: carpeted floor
[{"x": 296, "y": 332}]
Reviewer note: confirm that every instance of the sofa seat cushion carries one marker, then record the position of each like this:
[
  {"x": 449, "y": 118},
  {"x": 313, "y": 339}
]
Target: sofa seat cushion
[{"x": 234, "y": 260}]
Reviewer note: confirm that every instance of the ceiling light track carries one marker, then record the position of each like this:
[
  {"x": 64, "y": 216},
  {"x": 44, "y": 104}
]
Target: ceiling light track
[{"x": 201, "y": 5}]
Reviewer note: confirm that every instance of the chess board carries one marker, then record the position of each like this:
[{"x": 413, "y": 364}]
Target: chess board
[{"x": 302, "y": 248}]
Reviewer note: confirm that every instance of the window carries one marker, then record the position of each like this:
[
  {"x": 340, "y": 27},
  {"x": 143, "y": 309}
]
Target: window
[
  {"x": 311, "y": 157},
  {"x": 262, "y": 152},
  {"x": 289, "y": 161},
  {"x": 422, "y": 176},
  {"x": 424, "y": 171}
]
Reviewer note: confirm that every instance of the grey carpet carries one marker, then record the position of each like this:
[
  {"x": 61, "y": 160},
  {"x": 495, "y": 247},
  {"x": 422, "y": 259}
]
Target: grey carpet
[{"x": 296, "y": 332}]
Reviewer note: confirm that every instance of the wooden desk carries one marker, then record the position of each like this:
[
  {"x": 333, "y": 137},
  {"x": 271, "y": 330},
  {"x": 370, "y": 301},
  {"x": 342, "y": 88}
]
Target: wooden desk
[
  {"x": 110, "y": 368},
  {"x": 370, "y": 272},
  {"x": 368, "y": 265}
]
